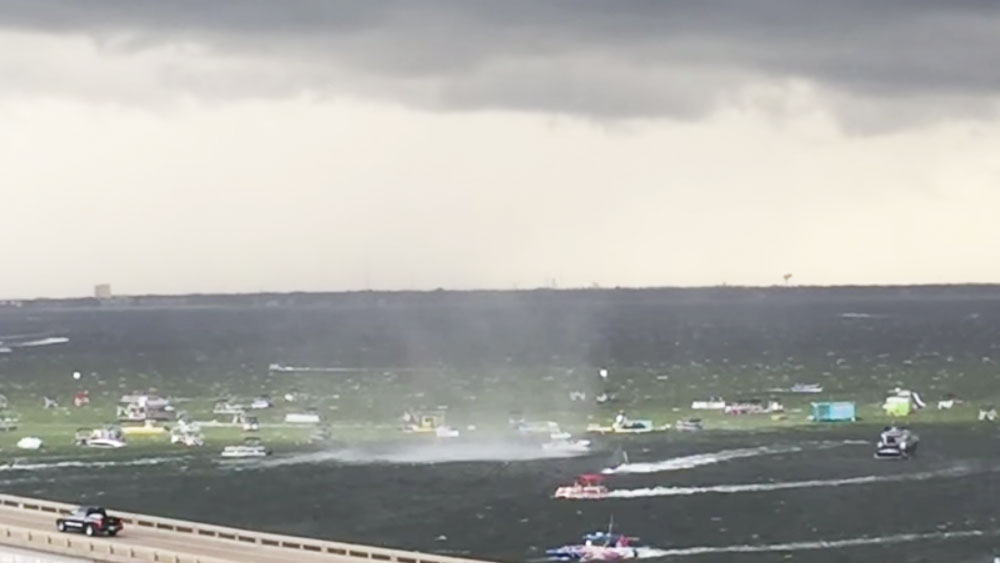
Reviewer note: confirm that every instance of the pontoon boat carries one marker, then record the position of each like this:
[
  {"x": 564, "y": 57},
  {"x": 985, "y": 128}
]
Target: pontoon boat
[{"x": 587, "y": 486}]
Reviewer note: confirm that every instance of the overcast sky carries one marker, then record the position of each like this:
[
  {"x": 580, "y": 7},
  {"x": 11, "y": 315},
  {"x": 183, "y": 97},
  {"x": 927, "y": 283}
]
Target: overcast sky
[{"x": 236, "y": 145}]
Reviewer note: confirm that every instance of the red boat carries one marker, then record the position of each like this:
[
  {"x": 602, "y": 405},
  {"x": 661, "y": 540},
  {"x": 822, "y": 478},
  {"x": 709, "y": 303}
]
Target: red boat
[{"x": 587, "y": 486}]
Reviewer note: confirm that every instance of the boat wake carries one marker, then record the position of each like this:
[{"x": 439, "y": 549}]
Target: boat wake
[
  {"x": 650, "y": 552},
  {"x": 18, "y": 466},
  {"x": 779, "y": 486},
  {"x": 422, "y": 454},
  {"x": 698, "y": 460},
  {"x": 42, "y": 342},
  {"x": 826, "y": 544}
]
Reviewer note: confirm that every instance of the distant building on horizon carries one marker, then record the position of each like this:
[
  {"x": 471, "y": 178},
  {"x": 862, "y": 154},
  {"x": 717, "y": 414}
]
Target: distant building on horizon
[{"x": 103, "y": 291}]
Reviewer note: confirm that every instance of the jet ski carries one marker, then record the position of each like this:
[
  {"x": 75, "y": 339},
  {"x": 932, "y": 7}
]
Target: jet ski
[{"x": 896, "y": 443}]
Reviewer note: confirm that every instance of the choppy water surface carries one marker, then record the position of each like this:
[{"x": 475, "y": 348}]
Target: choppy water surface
[
  {"x": 809, "y": 496},
  {"x": 761, "y": 497}
]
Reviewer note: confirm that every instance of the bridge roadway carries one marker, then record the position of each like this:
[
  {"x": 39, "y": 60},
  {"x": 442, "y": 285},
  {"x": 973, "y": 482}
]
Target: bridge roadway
[
  {"x": 30, "y": 524},
  {"x": 193, "y": 546}
]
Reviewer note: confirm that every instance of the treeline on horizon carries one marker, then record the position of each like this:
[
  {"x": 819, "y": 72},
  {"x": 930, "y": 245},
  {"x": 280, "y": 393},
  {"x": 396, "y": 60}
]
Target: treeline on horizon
[{"x": 618, "y": 295}]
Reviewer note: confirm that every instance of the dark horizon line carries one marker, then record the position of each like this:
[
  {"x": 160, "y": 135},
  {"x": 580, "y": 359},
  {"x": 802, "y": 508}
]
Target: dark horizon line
[{"x": 346, "y": 292}]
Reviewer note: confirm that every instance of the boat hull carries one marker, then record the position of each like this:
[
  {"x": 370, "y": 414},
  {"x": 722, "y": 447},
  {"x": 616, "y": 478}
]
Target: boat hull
[
  {"x": 581, "y": 493},
  {"x": 591, "y": 553},
  {"x": 576, "y": 446}
]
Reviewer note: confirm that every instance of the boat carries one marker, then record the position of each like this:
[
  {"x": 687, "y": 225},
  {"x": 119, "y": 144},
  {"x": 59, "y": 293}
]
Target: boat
[
  {"x": 261, "y": 403},
  {"x": 142, "y": 407},
  {"x": 446, "y": 432},
  {"x": 689, "y": 425},
  {"x": 602, "y": 546},
  {"x": 29, "y": 443},
  {"x": 587, "y": 486},
  {"x": 623, "y": 425},
  {"x": 538, "y": 428},
  {"x": 896, "y": 443},
  {"x": 9, "y": 423},
  {"x": 604, "y": 398},
  {"x": 227, "y": 408},
  {"x": 251, "y": 447},
  {"x": 431, "y": 422},
  {"x": 753, "y": 406},
  {"x": 187, "y": 435},
  {"x": 562, "y": 442},
  {"x": 110, "y": 437},
  {"x": 712, "y": 404},
  {"x": 302, "y": 418},
  {"x": 249, "y": 423}
]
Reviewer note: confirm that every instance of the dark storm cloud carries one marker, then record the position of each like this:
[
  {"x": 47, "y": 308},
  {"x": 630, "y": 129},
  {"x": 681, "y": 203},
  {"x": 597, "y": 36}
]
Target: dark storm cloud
[{"x": 587, "y": 57}]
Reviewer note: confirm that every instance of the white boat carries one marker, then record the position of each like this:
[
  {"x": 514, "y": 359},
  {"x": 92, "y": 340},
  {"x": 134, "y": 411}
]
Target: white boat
[
  {"x": 430, "y": 422},
  {"x": 302, "y": 418},
  {"x": 896, "y": 443},
  {"x": 111, "y": 437},
  {"x": 624, "y": 425},
  {"x": 446, "y": 432},
  {"x": 712, "y": 404},
  {"x": 225, "y": 407},
  {"x": 567, "y": 445},
  {"x": 29, "y": 443},
  {"x": 105, "y": 443},
  {"x": 536, "y": 428},
  {"x": 187, "y": 436},
  {"x": 246, "y": 449},
  {"x": 251, "y": 447},
  {"x": 689, "y": 425},
  {"x": 260, "y": 403}
]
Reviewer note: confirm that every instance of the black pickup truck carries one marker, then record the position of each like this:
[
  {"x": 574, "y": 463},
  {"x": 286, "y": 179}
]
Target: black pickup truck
[{"x": 90, "y": 520}]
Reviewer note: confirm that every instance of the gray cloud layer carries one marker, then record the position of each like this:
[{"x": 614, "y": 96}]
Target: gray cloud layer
[{"x": 594, "y": 58}]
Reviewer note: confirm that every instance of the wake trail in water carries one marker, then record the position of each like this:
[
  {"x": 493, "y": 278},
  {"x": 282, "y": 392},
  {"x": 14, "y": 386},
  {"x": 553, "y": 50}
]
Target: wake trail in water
[
  {"x": 826, "y": 544},
  {"x": 42, "y": 342},
  {"x": 766, "y": 487},
  {"x": 88, "y": 464},
  {"x": 699, "y": 460},
  {"x": 422, "y": 454}
]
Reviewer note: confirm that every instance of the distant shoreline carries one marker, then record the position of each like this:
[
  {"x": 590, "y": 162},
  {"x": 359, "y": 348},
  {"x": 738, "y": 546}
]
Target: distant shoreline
[{"x": 377, "y": 298}]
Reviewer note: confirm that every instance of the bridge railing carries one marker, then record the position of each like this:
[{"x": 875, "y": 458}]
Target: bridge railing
[
  {"x": 238, "y": 535},
  {"x": 82, "y": 547}
]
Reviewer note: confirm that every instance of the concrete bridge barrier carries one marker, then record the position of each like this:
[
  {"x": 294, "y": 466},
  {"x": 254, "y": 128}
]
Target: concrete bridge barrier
[
  {"x": 84, "y": 548},
  {"x": 120, "y": 549}
]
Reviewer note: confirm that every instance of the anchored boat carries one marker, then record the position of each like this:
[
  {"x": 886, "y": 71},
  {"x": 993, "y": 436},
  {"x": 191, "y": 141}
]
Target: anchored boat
[
  {"x": 251, "y": 447},
  {"x": 896, "y": 443},
  {"x": 110, "y": 437},
  {"x": 563, "y": 442},
  {"x": 623, "y": 425}
]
